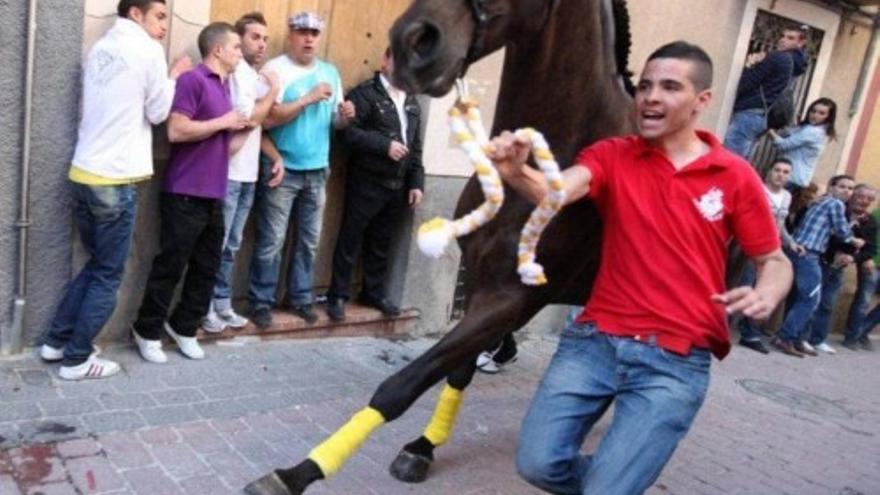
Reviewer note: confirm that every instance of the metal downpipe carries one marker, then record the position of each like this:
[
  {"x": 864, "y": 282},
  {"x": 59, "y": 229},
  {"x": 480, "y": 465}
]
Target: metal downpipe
[
  {"x": 864, "y": 73},
  {"x": 11, "y": 341}
]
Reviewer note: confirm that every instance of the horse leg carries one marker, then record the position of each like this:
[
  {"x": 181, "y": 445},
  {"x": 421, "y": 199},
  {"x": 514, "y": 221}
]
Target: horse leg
[
  {"x": 413, "y": 461},
  {"x": 493, "y": 314}
]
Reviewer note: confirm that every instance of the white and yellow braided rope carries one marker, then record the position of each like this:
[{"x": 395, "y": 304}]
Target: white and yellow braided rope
[{"x": 435, "y": 235}]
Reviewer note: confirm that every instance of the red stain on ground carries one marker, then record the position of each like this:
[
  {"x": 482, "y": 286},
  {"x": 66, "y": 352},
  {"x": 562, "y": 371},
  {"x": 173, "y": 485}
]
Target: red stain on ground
[
  {"x": 90, "y": 480},
  {"x": 34, "y": 463},
  {"x": 6, "y": 466}
]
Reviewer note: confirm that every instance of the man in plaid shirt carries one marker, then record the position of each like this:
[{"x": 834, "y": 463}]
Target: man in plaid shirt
[{"x": 825, "y": 218}]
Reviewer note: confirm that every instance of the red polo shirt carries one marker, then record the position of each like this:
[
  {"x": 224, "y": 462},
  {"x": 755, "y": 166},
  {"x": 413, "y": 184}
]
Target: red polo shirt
[{"x": 665, "y": 240}]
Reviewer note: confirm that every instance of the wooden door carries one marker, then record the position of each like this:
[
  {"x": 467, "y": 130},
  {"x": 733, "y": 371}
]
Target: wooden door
[{"x": 356, "y": 35}]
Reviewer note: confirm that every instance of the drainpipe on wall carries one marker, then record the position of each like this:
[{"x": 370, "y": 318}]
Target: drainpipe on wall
[
  {"x": 864, "y": 73},
  {"x": 11, "y": 342}
]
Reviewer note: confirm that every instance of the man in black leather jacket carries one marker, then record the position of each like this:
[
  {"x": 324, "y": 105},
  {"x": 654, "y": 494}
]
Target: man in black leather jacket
[{"x": 385, "y": 175}]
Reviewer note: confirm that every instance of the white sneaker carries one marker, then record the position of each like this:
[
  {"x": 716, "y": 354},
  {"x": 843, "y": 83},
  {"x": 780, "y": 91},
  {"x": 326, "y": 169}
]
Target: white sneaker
[
  {"x": 94, "y": 367},
  {"x": 808, "y": 347},
  {"x": 827, "y": 349},
  {"x": 189, "y": 346},
  {"x": 486, "y": 364},
  {"x": 151, "y": 350},
  {"x": 233, "y": 319},
  {"x": 51, "y": 354},
  {"x": 212, "y": 323}
]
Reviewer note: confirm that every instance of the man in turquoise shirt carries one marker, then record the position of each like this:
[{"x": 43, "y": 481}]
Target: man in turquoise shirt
[{"x": 309, "y": 106}]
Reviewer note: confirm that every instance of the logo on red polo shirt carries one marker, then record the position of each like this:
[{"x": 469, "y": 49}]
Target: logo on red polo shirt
[{"x": 711, "y": 205}]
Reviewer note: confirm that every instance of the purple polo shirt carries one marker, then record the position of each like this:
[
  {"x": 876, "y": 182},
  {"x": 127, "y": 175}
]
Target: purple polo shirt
[{"x": 200, "y": 168}]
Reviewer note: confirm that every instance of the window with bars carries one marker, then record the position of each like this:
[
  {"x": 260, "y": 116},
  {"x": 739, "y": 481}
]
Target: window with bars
[{"x": 766, "y": 32}]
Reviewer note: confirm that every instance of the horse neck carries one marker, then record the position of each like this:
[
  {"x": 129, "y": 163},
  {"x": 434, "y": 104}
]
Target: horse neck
[{"x": 563, "y": 82}]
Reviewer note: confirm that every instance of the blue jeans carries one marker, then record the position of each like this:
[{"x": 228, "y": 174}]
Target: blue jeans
[
  {"x": 300, "y": 194},
  {"x": 105, "y": 218},
  {"x": 805, "y": 296},
  {"x": 872, "y": 319},
  {"x": 656, "y": 394},
  {"x": 236, "y": 207},
  {"x": 832, "y": 281},
  {"x": 748, "y": 329},
  {"x": 855, "y": 320},
  {"x": 746, "y": 126}
]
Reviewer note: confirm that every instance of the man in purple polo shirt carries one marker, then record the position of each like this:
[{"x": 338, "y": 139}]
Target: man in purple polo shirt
[{"x": 191, "y": 204}]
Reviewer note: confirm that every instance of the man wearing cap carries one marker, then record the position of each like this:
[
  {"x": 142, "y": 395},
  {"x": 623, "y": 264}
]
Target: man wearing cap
[{"x": 307, "y": 109}]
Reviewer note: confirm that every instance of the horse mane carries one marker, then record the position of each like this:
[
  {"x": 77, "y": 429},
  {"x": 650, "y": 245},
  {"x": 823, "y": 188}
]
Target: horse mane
[{"x": 623, "y": 43}]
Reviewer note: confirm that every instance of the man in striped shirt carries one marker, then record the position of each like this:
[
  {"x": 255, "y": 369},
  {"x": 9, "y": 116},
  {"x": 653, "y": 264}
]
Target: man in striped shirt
[{"x": 825, "y": 218}]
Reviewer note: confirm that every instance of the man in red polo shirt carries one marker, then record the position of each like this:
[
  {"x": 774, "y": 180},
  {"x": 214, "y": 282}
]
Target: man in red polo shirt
[{"x": 672, "y": 195}]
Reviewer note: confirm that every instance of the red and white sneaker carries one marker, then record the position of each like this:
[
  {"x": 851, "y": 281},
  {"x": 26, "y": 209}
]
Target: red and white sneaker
[{"x": 94, "y": 367}]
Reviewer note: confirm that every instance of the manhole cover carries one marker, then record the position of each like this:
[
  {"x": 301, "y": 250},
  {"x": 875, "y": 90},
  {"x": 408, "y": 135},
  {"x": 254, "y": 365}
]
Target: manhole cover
[{"x": 795, "y": 399}]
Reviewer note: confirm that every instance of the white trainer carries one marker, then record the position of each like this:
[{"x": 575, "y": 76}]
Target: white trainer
[
  {"x": 51, "y": 354},
  {"x": 486, "y": 364},
  {"x": 151, "y": 350},
  {"x": 189, "y": 346},
  {"x": 233, "y": 319},
  {"x": 808, "y": 346},
  {"x": 213, "y": 323},
  {"x": 827, "y": 349},
  {"x": 94, "y": 367}
]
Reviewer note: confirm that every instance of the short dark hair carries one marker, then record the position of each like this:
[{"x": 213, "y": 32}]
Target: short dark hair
[
  {"x": 212, "y": 35},
  {"x": 782, "y": 160},
  {"x": 701, "y": 76},
  {"x": 143, "y": 5},
  {"x": 837, "y": 178},
  {"x": 246, "y": 20}
]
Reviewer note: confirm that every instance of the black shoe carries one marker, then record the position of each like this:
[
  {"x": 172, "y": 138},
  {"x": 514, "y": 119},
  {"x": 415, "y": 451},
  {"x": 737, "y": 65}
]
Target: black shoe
[
  {"x": 262, "y": 318},
  {"x": 384, "y": 305},
  {"x": 755, "y": 345},
  {"x": 852, "y": 345},
  {"x": 336, "y": 309},
  {"x": 306, "y": 312},
  {"x": 865, "y": 343}
]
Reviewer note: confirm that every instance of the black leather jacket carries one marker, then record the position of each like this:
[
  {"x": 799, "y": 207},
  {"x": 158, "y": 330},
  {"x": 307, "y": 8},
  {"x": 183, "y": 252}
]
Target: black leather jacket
[{"x": 369, "y": 136}]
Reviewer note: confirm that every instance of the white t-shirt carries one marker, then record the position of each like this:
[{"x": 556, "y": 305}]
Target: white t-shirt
[
  {"x": 399, "y": 98},
  {"x": 780, "y": 202},
  {"x": 246, "y": 87}
]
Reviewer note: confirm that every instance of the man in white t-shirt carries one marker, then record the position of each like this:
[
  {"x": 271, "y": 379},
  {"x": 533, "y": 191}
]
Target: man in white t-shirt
[
  {"x": 253, "y": 94},
  {"x": 307, "y": 109},
  {"x": 127, "y": 88},
  {"x": 780, "y": 202}
]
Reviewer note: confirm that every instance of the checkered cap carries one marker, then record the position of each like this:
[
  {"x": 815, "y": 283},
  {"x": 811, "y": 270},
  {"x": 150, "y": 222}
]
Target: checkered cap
[{"x": 306, "y": 20}]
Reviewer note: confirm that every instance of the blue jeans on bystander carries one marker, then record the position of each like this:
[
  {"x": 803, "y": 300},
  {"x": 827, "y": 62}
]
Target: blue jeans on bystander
[
  {"x": 302, "y": 194},
  {"x": 745, "y": 127},
  {"x": 805, "y": 296},
  {"x": 105, "y": 217},
  {"x": 656, "y": 395},
  {"x": 832, "y": 282},
  {"x": 236, "y": 207}
]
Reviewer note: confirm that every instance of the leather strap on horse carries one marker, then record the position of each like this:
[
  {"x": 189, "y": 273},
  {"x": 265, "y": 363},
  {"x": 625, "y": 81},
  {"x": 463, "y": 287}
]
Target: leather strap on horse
[{"x": 481, "y": 18}]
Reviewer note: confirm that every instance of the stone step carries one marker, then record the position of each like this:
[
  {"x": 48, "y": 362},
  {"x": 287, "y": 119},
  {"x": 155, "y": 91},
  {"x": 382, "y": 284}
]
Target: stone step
[{"x": 360, "y": 321}]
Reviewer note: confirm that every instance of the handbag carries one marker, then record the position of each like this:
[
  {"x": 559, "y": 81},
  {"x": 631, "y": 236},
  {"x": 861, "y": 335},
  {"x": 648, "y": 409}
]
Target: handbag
[{"x": 780, "y": 113}]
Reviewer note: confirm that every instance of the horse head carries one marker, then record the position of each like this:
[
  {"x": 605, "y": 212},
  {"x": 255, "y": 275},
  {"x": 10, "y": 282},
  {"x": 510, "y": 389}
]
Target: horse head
[{"x": 434, "y": 41}]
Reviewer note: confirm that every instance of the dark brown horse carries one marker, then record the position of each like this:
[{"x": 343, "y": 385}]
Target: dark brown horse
[{"x": 561, "y": 77}]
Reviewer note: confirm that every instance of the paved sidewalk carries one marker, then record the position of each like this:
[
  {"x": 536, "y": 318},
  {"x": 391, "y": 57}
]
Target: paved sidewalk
[{"x": 771, "y": 424}]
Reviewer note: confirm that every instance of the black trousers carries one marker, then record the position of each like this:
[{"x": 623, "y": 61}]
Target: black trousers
[
  {"x": 369, "y": 216},
  {"x": 191, "y": 240}
]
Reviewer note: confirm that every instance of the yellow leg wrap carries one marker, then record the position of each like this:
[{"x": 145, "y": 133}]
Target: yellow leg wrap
[
  {"x": 335, "y": 451},
  {"x": 440, "y": 427}
]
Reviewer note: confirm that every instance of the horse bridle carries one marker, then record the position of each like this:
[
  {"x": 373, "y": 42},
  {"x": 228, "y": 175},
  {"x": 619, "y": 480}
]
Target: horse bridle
[{"x": 481, "y": 18}]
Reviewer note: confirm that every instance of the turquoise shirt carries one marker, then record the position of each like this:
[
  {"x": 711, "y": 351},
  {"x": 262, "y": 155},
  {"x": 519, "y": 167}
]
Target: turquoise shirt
[{"x": 304, "y": 142}]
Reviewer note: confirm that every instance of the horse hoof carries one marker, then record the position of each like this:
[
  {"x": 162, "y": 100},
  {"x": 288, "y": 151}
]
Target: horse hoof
[
  {"x": 410, "y": 468},
  {"x": 270, "y": 484}
]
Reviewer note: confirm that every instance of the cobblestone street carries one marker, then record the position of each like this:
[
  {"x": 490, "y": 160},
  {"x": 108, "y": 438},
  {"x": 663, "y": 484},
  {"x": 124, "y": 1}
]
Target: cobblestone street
[{"x": 771, "y": 424}]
